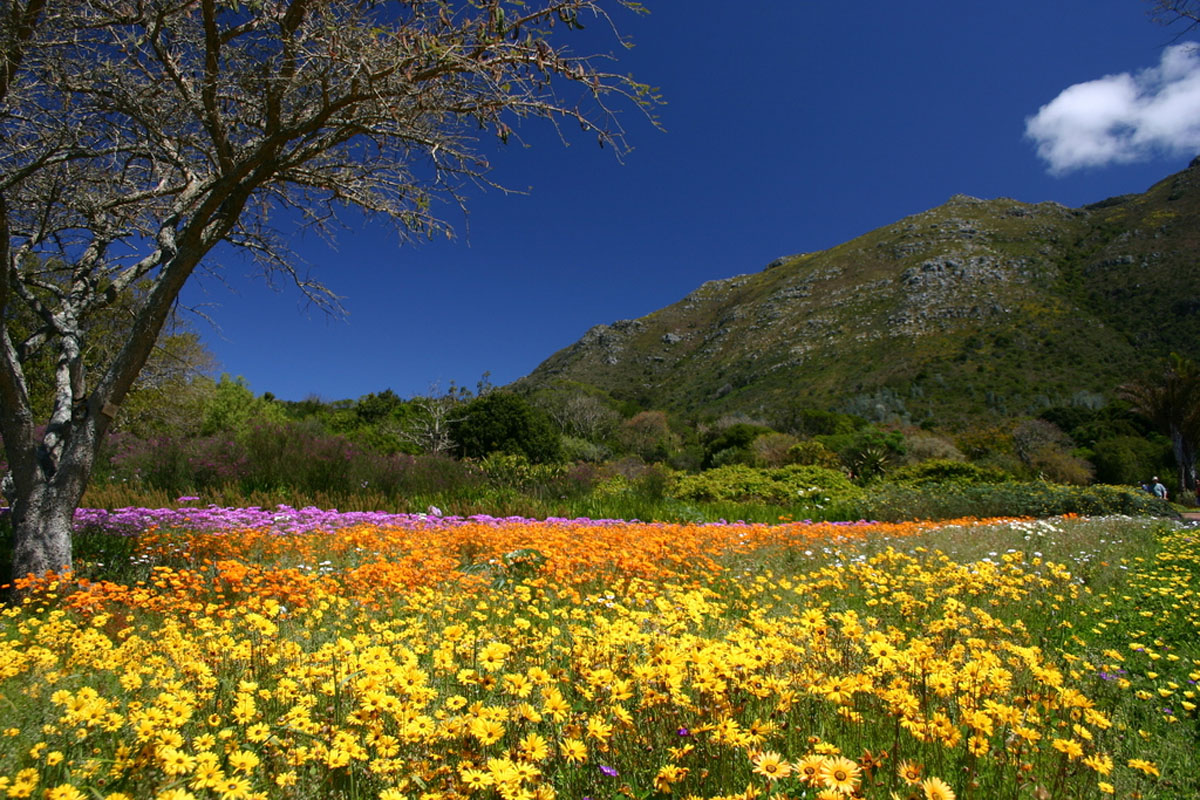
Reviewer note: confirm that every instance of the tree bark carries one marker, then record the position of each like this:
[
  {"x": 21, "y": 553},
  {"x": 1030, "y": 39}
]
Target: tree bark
[
  {"x": 42, "y": 531},
  {"x": 45, "y": 496}
]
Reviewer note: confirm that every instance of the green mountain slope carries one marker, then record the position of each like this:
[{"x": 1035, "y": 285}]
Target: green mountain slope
[{"x": 974, "y": 309}]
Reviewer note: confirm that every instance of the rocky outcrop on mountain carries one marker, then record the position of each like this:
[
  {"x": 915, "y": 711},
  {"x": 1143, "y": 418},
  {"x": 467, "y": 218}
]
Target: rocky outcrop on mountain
[{"x": 975, "y": 308}]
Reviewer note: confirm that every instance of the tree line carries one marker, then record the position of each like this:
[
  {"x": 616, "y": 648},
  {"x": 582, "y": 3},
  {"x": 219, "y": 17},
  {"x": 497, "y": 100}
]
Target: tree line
[{"x": 184, "y": 429}]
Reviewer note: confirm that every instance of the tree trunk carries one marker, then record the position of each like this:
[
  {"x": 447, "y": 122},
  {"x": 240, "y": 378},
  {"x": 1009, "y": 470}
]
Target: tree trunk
[
  {"x": 41, "y": 527},
  {"x": 45, "y": 493}
]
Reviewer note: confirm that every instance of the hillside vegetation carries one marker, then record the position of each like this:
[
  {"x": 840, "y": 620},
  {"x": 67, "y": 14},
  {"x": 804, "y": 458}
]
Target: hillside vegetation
[{"x": 971, "y": 312}]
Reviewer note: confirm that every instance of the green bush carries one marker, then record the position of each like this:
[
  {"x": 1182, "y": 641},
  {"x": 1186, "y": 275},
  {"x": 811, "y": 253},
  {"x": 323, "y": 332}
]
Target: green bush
[
  {"x": 890, "y": 502},
  {"x": 233, "y": 407},
  {"x": 1130, "y": 459},
  {"x": 773, "y": 450},
  {"x": 648, "y": 435},
  {"x": 575, "y": 449},
  {"x": 506, "y": 423},
  {"x": 944, "y": 471},
  {"x": 792, "y": 484},
  {"x": 731, "y": 445},
  {"x": 812, "y": 453},
  {"x": 867, "y": 452}
]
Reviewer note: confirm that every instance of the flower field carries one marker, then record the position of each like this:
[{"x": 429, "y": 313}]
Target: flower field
[{"x": 223, "y": 653}]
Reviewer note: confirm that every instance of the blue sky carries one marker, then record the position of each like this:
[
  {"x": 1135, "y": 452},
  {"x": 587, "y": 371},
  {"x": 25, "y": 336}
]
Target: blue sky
[{"x": 788, "y": 127}]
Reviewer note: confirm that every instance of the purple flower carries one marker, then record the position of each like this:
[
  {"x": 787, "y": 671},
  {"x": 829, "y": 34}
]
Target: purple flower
[
  {"x": 609, "y": 771},
  {"x": 683, "y": 732}
]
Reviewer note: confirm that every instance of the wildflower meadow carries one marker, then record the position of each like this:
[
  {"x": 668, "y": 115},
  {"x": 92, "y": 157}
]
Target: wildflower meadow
[{"x": 283, "y": 653}]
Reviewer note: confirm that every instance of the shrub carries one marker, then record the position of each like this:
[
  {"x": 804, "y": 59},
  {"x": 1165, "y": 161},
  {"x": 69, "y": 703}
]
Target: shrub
[
  {"x": 515, "y": 471},
  {"x": 301, "y": 455},
  {"x": 927, "y": 446},
  {"x": 812, "y": 453},
  {"x": 772, "y": 449},
  {"x": 575, "y": 449},
  {"x": 980, "y": 443},
  {"x": 868, "y": 452},
  {"x": 815, "y": 422},
  {"x": 174, "y": 465},
  {"x": 507, "y": 423},
  {"x": 731, "y": 444},
  {"x": 728, "y": 457},
  {"x": 233, "y": 406},
  {"x": 891, "y": 502},
  {"x": 648, "y": 435},
  {"x": 786, "y": 485},
  {"x": 1130, "y": 459},
  {"x": 945, "y": 471},
  {"x": 1059, "y": 466}
]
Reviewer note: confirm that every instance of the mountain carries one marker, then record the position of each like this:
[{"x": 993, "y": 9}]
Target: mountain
[{"x": 975, "y": 309}]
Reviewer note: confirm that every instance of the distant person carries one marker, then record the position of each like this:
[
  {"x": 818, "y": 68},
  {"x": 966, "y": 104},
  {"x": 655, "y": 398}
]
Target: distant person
[{"x": 1160, "y": 491}]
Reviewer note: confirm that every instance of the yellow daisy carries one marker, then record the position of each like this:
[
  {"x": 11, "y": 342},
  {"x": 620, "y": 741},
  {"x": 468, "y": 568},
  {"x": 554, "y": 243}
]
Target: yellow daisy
[
  {"x": 771, "y": 766},
  {"x": 840, "y": 773},
  {"x": 937, "y": 789}
]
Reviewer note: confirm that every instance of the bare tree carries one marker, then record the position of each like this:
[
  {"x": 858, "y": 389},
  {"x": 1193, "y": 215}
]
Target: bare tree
[
  {"x": 429, "y": 428},
  {"x": 1170, "y": 12},
  {"x": 579, "y": 414},
  {"x": 136, "y": 135}
]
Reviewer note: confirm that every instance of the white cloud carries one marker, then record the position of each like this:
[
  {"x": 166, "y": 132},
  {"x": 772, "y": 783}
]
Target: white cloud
[{"x": 1123, "y": 118}]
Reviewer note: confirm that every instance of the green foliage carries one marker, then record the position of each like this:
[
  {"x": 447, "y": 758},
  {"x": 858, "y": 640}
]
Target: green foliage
[
  {"x": 649, "y": 436},
  {"x": 890, "y": 502},
  {"x": 233, "y": 407},
  {"x": 507, "y": 423},
  {"x": 575, "y": 449},
  {"x": 797, "y": 484},
  {"x": 1087, "y": 424},
  {"x": 946, "y": 472},
  {"x": 374, "y": 408},
  {"x": 986, "y": 441},
  {"x": 516, "y": 471},
  {"x": 773, "y": 449},
  {"x": 867, "y": 452},
  {"x": 172, "y": 390},
  {"x": 1060, "y": 466},
  {"x": 1170, "y": 400},
  {"x": 514, "y": 567},
  {"x": 813, "y": 453},
  {"x": 1130, "y": 459},
  {"x": 802, "y": 421},
  {"x": 1068, "y": 418},
  {"x": 731, "y": 445}
]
